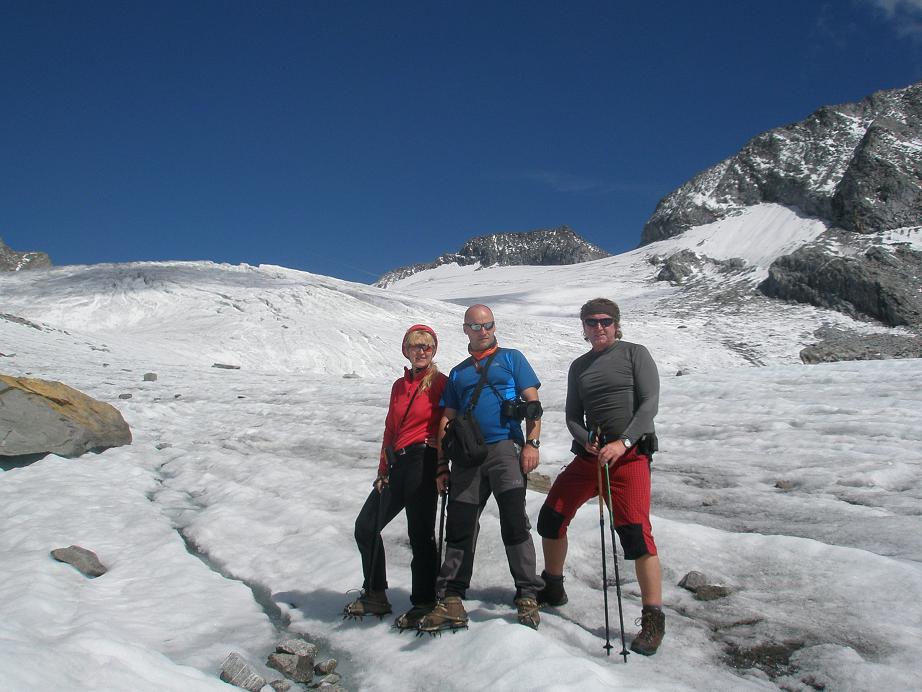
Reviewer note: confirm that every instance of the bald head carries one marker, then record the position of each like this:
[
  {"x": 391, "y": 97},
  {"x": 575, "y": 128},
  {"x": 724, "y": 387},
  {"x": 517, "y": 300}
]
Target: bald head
[{"x": 479, "y": 327}]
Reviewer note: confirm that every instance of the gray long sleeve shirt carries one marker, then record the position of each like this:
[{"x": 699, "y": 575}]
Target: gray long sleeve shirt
[{"x": 616, "y": 389}]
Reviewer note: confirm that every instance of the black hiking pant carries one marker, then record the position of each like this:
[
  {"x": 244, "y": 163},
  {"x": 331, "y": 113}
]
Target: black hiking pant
[{"x": 412, "y": 487}]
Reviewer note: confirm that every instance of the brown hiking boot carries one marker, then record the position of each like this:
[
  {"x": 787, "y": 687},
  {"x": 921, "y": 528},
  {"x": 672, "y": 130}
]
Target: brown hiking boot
[
  {"x": 652, "y": 623},
  {"x": 369, "y": 603},
  {"x": 410, "y": 619},
  {"x": 448, "y": 614},
  {"x": 528, "y": 612}
]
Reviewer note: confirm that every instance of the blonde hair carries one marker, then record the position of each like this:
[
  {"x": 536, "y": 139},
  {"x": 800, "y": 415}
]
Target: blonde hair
[{"x": 425, "y": 337}]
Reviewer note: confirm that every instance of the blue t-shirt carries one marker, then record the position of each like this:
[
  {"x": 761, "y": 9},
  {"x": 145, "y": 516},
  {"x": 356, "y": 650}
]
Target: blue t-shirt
[{"x": 509, "y": 374}]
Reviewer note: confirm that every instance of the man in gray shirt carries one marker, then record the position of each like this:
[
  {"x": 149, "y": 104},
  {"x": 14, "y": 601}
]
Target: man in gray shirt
[{"x": 612, "y": 398}]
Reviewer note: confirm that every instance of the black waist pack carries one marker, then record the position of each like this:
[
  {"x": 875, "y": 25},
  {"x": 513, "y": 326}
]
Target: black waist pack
[{"x": 463, "y": 441}]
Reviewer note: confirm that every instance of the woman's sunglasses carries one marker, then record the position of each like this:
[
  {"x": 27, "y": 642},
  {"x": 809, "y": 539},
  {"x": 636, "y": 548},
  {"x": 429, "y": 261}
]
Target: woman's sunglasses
[{"x": 595, "y": 322}]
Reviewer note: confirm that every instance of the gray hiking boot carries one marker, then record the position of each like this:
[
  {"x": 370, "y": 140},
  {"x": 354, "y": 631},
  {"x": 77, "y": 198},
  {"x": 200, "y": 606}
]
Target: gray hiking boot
[
  {"x": 410, "y": 619},
  {"x": 448, "y": 614},
  {"x": 553, "y": 593},
  {"x": 652, "y": 623},
  {"x": 369, "y": 603},
  {"x": 528, "y": 612}
]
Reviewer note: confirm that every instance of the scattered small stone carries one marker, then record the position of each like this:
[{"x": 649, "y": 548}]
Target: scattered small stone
[
  {"x": 280, "y": 685},
  {"x": 236, "y": 671},
  {"x": 682, "y": 371},
  {"x": 297, "y": 647},
  {"x": 85, "y": 561},
  {"x": 150, "y": 377},
  {"x": 177, "y": 396},
  {"x": 163, "y": 445},
  {"x": 240, "y": 396},
  {"x": 225, "y": 366},
  {"x": 709, "y": 502},
  {"x": 693, "y": 581},
  {"x": 297, "y": 668},
  {"x": 711, "y": 592},
  {"x": 325, "y": 667},
  {"x": 105, "y": 365},
  {"x": 331, "y": 679},
  {"x": 352, "y": 376},
  {"x": 124, "y": 396},
  {"x": 785, "y": 485}
]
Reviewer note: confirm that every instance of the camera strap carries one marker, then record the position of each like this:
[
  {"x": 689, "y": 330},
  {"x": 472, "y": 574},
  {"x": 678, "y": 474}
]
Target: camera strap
[{"x": 481, "y": 382}]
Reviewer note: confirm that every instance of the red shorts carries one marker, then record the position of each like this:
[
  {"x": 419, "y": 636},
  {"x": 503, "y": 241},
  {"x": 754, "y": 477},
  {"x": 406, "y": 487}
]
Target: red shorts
[{"x": 629, "y": 478}]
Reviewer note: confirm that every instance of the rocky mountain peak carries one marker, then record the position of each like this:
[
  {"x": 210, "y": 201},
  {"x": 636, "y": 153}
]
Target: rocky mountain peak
[
  {"x": 857, "y": 166},
  {"x": 12, "y": 261},
  {"x": 544, "y": 246}
]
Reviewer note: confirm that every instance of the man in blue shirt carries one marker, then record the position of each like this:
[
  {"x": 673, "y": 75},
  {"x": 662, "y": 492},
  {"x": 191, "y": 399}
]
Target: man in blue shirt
[{"x": 509, "y": 395}]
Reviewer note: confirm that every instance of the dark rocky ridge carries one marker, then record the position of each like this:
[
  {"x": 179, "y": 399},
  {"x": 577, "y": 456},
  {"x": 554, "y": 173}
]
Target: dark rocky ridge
[
  {"x": 11, "y": 261},
  {"x": 857, "y": 166},
  {"x": 550, "y": 246}
]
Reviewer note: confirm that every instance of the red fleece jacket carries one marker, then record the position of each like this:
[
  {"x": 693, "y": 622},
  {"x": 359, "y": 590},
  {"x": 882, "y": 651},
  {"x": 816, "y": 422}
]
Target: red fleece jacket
[{"x": 422, "y": 421}]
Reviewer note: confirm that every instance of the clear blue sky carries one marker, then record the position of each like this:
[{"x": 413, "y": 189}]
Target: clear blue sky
[{"x": 349, "y": 138}]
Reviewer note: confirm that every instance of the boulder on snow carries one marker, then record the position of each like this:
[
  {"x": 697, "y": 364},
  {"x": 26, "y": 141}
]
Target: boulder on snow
[
  {"x": 85, "y": 561},
  {"x": 39, "y": 416}
]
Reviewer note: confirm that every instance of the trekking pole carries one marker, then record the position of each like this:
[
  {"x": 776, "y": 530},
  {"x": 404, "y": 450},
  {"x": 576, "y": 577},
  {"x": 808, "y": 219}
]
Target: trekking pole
[
  {"x": 614, "y": 550},
  {"x": 377, "y": 544},
  {"x": 442, "y": 523},
  {"x": 608, "y": 647}
]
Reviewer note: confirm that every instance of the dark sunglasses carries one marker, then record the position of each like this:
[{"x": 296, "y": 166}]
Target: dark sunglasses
[
  {"x": 477, "y": 326},
  {"x": 425, "y": 348},
  {"x": 595, "y": 322}
]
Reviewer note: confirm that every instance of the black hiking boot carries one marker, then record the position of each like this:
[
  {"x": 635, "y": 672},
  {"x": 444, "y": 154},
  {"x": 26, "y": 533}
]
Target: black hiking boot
[
  {"x": 410, "y": 619},
  {"x": 369, "y": 603},
  {"x": 528, "y": 612},
  {"x": 652, "y": 623},
  {"x": 448, "y": 614},
  {"x": 553, "y": 593}
]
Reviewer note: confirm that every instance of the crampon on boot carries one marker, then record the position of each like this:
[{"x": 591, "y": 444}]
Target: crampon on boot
[
  {"x": 369, "y": 603},
  {"x": 553, "y": 593},
  {"x": 528, "y": 612},
  {"x": 410, "y": 619},
  {"x": 652, "y": 623},
  {"x": 448, "y": 614}
]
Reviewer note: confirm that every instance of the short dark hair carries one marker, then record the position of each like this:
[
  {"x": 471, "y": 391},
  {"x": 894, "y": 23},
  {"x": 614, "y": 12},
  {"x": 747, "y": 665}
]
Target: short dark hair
[{"x": 600, "y": 306}]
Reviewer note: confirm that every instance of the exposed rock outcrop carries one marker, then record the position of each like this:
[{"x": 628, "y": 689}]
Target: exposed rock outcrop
[
  {"x": 880, "y": 284},
  {"x": 38, "y": 416},
  {"x": 539, "y": 247},
  {"x": 11, "y": 261},
  {"x": 858, "y": 166}
]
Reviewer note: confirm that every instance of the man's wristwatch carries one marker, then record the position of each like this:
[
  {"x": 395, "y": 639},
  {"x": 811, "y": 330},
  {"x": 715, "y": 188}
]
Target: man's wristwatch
[
  {"x": 534, "y": 443},
  {"x": 627, "y": 442}
]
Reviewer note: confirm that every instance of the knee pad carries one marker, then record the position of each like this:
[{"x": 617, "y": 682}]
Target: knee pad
[
  {"x": 632, "y": 541},
  {"x": 550, "y": 523},
  {"x": 513, "y": 522},
  {"x": 461, "y": 521}
]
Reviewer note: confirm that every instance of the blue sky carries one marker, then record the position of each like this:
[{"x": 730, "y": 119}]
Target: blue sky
[{"x": 349, "y": 138}]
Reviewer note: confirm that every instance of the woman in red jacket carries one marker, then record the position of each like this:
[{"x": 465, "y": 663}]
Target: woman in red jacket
[{"x": 406, "y": 480}]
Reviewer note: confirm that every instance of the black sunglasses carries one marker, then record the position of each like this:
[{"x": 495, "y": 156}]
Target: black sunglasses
[
  {"x": 595, "y": 322},
  {"x": 477, "y": 326}
]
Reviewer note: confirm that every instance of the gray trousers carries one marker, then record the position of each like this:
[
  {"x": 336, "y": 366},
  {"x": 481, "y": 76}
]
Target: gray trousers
[{"x": 501, "y": 476}]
